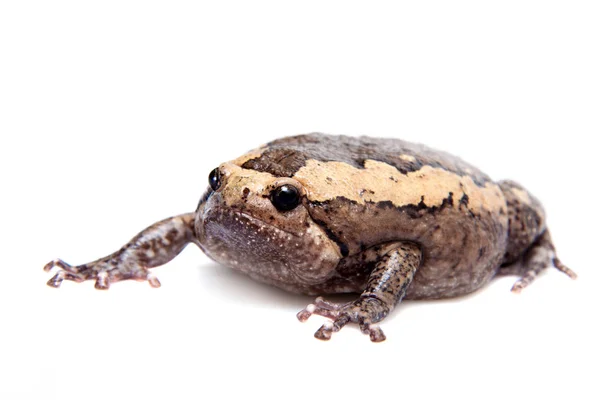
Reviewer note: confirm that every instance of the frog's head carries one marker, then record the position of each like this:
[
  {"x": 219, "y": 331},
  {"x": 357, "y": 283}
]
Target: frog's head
[{"x": 258, "y": 223}]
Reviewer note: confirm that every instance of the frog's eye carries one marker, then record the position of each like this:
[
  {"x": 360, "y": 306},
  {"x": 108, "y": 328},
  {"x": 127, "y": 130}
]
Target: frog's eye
[
  {"x": 214, "y": 179},
  {"x": 285, "y": 197}
]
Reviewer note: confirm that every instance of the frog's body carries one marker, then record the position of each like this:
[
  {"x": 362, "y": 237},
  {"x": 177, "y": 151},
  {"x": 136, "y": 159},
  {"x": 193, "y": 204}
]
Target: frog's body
[
  {"x": 381, "y": 217},
  {"x": 364, "y": 192}
]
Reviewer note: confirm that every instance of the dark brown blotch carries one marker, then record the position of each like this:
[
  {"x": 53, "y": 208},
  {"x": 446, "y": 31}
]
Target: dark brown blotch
[{"x": 245, "y": 194}]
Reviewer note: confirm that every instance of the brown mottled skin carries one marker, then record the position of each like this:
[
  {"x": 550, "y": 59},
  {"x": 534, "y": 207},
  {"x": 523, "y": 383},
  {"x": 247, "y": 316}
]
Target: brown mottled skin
[{"x": 380, "y": 217}]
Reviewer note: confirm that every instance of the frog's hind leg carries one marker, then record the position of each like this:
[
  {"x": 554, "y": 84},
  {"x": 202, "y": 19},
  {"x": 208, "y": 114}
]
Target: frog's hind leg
[
  {"x": 529, "y": 248},
  {"x": 539, "y": 256}
]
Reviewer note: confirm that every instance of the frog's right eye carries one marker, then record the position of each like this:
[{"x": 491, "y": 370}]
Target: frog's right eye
[
  {"x": 214, "y": 179},
  {"x": 285, "y": 197}
]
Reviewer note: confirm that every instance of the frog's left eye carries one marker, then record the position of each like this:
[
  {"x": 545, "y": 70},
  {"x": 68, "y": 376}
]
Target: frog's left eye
[
  {"x": 285, "y": 197},
  {"x": 214, "y": 179}
]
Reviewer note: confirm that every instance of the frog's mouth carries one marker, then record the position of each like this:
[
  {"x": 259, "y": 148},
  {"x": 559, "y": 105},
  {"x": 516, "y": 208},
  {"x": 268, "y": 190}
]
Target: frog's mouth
[{"x": 263, "y": 251}]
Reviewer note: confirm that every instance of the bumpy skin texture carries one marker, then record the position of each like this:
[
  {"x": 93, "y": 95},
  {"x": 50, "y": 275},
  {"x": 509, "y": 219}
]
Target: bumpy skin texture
[
  {"x": 454, "y": 212},
  {"x": 381, "y": 217}
]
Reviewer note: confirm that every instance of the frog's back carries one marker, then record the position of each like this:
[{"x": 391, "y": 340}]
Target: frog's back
[
  {"x": 367, "y": 191},
  {"x": 285, "y": 156}
]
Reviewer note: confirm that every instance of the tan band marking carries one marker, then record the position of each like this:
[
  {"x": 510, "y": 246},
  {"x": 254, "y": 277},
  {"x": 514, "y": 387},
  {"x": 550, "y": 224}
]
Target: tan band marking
[
  {"x": 238, "y": 179},
  {"x": 379, "y": 182},
  {"x": 249, "y": 156}
]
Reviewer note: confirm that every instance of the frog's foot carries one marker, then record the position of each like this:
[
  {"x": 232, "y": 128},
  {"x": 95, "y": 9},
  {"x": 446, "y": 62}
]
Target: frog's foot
[
  {"x": 104, "y": 272},
  {"x": 154, "y": 246},
  {"x": 539, "y": 256},
  {"x": 366, "y": 312}
]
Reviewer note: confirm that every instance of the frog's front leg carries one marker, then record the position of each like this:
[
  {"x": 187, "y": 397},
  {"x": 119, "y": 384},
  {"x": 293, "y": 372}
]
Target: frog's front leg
[
  {"x": 386, "y": 286},
  {"x": 154, "y": 246}
]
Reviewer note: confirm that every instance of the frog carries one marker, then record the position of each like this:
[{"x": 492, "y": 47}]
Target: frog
[{"x": 318, "y": 214}]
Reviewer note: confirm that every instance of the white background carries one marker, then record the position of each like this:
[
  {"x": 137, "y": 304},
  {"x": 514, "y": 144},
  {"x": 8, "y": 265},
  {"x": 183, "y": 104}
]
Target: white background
[{"x": 113, "y": 113}]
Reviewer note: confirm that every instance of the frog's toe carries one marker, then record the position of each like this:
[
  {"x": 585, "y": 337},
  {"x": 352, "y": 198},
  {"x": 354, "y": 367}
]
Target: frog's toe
[
  {"x": 66, "y": 272},
  {"x": 140, "y": 274},
  {"x": 325, "y": 331},
  {"x": 563, "y": 268},
  {"x": 153, "y": 281},
  {"x": 320, "y": 307},
  {"x": 329, "y": 327},
  {"x": 48, "y": 267},
  {"x": 57, "y": 262},
  {"x": 325, "y": 309},
  {"x": 102, "y": 281},
  {"x": 60, "y": 276},
  {"x": 373, "y": 330}
]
